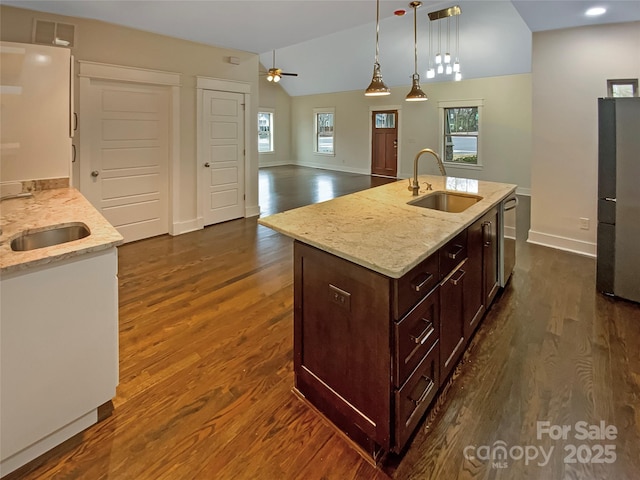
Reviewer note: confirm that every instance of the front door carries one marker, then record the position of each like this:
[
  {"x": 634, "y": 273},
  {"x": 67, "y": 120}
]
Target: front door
[
  {"x": 222, "y": 138},
  {"x": 384, "y": 149},
  {"x": 126, "y": 175}
]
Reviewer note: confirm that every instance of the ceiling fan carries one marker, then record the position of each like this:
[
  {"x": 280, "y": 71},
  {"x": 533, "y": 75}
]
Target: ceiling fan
[{"x": 275, "y": 74}]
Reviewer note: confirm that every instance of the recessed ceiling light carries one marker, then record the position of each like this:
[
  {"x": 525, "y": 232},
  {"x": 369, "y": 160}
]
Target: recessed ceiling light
[{"x": 595, "y": 11}]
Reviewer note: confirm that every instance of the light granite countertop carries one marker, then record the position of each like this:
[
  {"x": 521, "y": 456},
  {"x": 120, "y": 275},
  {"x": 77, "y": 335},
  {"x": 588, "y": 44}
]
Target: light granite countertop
[
  {"x": 375, "y": 228},
  {"x": 44, "y": 210}
]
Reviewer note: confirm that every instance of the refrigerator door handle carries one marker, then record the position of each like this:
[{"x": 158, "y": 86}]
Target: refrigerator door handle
[{"x": 609, "y": 199}]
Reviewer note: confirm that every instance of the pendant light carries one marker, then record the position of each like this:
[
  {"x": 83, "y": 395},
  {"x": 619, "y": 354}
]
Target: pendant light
[
  {"x": 431, "y": 72},
  {"x": 444, "y": 65},
  {"x": 377, "y": 87},
  {"x": 416, "y": 94},
  {"x": 456, "y": 64}
]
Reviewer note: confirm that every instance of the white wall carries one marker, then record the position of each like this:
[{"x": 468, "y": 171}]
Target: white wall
[
  {"x": 506, "y": 124},
  {"x": 569, "y": 72}
]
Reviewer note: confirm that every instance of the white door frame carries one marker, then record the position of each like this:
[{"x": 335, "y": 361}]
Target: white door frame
[
  {"x": 103, "y": 71},
  {"x": 207, "y": 83}
]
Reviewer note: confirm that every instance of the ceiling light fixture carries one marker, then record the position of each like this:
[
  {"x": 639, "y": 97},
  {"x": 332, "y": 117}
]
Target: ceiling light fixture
[
  {"x": 273, "y": 74},
  {"x": 595, "y": 11},
  {"x": 416, "y": 94},
  {"x": 443, "y": 62},
  {"x": 377, "y": 86}
]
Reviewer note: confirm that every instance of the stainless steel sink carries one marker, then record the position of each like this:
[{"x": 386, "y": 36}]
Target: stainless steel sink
[
  {"x": 49, "y": 237},
  {"x": 446, "y": 201}
]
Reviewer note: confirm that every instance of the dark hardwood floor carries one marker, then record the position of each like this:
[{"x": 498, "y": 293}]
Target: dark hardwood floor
[{"x": 206, "y": 368}]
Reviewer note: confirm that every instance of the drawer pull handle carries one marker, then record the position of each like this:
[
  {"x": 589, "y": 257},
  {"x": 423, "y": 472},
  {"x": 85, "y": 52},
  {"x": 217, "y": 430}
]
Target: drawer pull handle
[
  {"x": 425, "y": 390},
  {"x": 421, "y": 281},
  {"x": 487, "y": 238},
  {"x": 454, "y": 255},
  {"x": 456, "y": 279},
  {"x": 426, "y": 333}
]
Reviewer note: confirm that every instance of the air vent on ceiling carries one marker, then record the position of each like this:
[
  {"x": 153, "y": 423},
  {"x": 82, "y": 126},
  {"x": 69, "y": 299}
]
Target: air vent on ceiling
[{"x": 53, "y": 33}]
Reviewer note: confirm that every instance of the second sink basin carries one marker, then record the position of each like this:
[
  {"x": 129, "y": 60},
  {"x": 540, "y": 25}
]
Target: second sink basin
[
  {"x": 446, "y": 201},
  {"x": 49, "y": 237}
]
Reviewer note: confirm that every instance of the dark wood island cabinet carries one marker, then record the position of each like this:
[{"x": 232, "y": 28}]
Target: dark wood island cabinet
[
  {"x": 372, "y": 351},
  {"x": 372, "y": 348}
]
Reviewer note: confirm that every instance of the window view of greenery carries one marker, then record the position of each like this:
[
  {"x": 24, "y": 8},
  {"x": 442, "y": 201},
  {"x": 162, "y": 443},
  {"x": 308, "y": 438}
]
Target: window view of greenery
[
  {"x": 461, "y": 135},
  {"x": 324, "y": 132},
  {"x": 265, "y": 132}
]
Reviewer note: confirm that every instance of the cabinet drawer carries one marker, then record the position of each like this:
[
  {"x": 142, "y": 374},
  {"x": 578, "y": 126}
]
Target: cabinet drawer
[
  {"x": 452, "y": 253},
  {"x": 415, "y": 334},
  {"x": 414, "y": 285},
  {"x": 413, "y": 399}
]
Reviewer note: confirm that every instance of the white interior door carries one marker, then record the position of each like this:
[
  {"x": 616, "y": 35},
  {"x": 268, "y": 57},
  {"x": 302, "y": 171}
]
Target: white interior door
[
  {"x": 126, "y": 174},
  {"x": 222, "y": 137}
]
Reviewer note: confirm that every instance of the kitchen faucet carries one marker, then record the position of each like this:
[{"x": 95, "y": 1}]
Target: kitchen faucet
[{"x": 415, "y": 186}]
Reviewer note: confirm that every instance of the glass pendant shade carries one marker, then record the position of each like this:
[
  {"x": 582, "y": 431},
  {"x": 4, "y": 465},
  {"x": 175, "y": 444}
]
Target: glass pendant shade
[
  {"x": 440, "y": 69},
  {"x": 438, "y": 58},
  {"x": 269, "y": 78},
  {"x": 449, "y": 69},
  {"x": 447, "y": 58},
  {"x": 458, "y": 77},
  {"x": 416, "y": 94},
  {"x": 377, "y": 86},
  {"x": 456, "y": 66},
  {"x": 431, "y": 73}
]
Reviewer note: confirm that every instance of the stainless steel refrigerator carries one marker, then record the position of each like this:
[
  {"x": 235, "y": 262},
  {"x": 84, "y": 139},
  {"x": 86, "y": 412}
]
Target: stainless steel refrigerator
[{"x": 618, "y": 264}]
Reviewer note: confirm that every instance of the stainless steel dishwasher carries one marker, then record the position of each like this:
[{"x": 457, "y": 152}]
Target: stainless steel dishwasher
[{"x": 507, "y": 245}]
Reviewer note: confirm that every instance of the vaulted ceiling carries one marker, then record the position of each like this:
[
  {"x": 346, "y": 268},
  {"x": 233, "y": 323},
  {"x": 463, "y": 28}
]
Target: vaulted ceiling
[{"x": 331, "y": 43}]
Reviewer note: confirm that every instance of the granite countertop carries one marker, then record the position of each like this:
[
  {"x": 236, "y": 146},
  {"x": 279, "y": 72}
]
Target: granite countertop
[
  {"x": 376, "y": 229},
  {"x": 45, "y": 209}
]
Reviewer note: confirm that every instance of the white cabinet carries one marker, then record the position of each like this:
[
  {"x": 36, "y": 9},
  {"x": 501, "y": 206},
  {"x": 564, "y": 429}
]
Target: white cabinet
[
  {"x": 58, "y": 352},
  {"x": 35, "y": 96}
]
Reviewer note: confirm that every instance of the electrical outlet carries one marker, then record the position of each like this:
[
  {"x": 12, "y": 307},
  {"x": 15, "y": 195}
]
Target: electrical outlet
[
  {"x": 584, "y": 223},
  {"x": 340, "y": 297}
]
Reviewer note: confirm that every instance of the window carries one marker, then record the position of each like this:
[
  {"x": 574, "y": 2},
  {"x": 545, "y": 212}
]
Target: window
[
  {"x": 461, "y": 132},
  {"x": 385, "y": 120},
  {"x": 622, "y": 88},
  {"x": 324, "y": 131},
  {"x": 265, "y": 132}
]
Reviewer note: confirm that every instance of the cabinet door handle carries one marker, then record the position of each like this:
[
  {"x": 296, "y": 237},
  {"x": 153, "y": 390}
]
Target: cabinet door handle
[
  {"x": 511, "y": 207},
  {"x": 73, "y": 153},
  {"x": 425, "y": 390},
  {"x": 455, "y": 279},
  {"x": 487, "y": 238},
  {"x": 426, "y": 333},
  {"x": 454, "y": 255},
  {"x": 421, "y": 281}
]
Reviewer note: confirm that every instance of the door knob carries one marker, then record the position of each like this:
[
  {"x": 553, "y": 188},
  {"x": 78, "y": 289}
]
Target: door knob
[
  {"x": 95, "y": 173},
  {"x": 207, "y": 164}
]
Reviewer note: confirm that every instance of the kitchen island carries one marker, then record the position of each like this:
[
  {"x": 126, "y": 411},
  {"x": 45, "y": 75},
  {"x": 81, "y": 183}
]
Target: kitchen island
[
  {"x": 386, "y": 297},
  {"x": 58, "y": 324}
]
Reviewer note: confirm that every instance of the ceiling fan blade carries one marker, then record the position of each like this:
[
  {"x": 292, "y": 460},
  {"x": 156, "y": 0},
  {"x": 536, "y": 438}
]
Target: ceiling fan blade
[{"x": 289, "y": 74}]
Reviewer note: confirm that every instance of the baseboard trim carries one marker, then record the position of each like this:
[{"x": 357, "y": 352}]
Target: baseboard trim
[
  {"x": 337, "y": 168},
  {"x": 587, "y": 249},
  {"x": 178, "y": 228},
  {"x": 276, "y": 163},
  {"x": 252, "y": 211}
]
